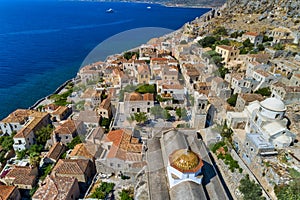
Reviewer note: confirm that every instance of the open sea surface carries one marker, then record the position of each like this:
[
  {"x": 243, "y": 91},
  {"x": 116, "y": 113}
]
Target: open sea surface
[{"x": 44, "y": 42}]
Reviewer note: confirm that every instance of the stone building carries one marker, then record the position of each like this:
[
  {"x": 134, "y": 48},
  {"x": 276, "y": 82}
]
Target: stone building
[
  {"x": 25, "y": 137},
  {"x": 104, "y": 109},
  {"x": 244, "y": 100},
  {"x": 66, "y": 131},
  {"x": 255, "y": 38},
  {"x": 62, "y": 188},
  {"x": 22, "y": 177},
  {"x": 135, "y": 102},
  {"x": 120, "y": 152},
  {"x": 143, "y": 74},
  {"x": 288, "y": 94},
  {"x": 81, "y": 169},
  {"x": 228, "y": 53},
  {"x": 183, "y": 167},
  {"x": 199, "y": 111},
  {"x": 266, "y": 118}
]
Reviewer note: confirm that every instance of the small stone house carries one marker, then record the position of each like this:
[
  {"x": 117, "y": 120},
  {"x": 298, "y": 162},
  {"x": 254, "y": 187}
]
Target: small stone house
[
  {"x": 135, "y": 102},
  {"x": 22, "y": 177},
  {"x": 54, "y": 187}
]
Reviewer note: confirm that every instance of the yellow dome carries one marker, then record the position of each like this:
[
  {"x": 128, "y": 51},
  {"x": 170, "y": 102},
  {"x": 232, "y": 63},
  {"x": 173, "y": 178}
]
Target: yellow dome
[{"x": 185, "y": 161}]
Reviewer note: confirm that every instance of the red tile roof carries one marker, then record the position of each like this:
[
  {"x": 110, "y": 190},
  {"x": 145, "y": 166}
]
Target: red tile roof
[
  {"x": 67, "y": 127},
  {"x": 6, "y": 191},
  {"x": 71, "y": 167},
  {"x": 22, "y": 175},
  {"x": 124, "y": 146},
  {"x": 252, "y": 34},
  {"x": 81, "y": 150},
  {"x": 56, "y": 188},
  {"x": 56, "y": 151}
]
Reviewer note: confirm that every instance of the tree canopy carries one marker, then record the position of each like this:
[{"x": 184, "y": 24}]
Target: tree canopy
[
  {"x": 43, "y": 134},
  {"x": 140, "y": 117},
  {"x": 181, "y": 113},
  {"x": 128, "y": 55},
  {"x": 146, "y": 89},
  {"x": 264, "y": 91},
  {"x": 288, "y": 192},
  {"x": 76, "y": 140},
  {"x": 232, "y": 100},
  {"x": 250, "y": 190},
  {"x": 103, "y": 190}
]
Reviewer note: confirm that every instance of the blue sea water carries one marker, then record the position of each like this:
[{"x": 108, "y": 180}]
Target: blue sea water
[{"x": 43, "y": 42}]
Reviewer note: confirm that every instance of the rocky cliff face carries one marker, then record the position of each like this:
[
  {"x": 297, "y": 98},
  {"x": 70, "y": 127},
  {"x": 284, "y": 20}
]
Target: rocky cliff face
[{"x": 265, "y": 8}]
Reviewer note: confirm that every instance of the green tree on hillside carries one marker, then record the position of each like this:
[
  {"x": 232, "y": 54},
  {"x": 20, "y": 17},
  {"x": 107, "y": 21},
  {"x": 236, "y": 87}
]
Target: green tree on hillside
[{"x": 250, "y": 190}]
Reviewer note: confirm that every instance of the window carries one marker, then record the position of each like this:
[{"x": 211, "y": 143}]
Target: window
[
  {"x": 111, "y": 164},
  {"x": 138, "y": 110},
  {"x": 251, "y": 149},
  {"x": 132, "y": 109},
  {"x": 148, "y": 110},
  {"x": 148, "y": 103},
  {"x": 119, "y": 165}
]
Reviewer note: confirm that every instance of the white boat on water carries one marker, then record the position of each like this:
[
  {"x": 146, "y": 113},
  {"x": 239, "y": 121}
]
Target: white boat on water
[
  {"x": 149, "y": 7},
  {"x": 109, "y": 10}
]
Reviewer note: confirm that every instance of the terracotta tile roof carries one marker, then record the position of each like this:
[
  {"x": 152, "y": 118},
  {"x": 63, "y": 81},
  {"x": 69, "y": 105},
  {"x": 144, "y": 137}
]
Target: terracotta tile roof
[
  {"x": 139, "y": 62},
  {"x": 67, "y": 127},
  {"x": 135, "y": 96},
  {"x": 60, "y": 110},
  {"x": 143, "y": 69},
  {"x": 36, "y": 119},
  {"x": 71, "y": 167},
  {"x": 251, "y": 97},
  {"x": 51, "y": 107},
  {"x": 192, "y": 71},
  {"x": 81, "y": 150},
  {"x": 279, "y": 84},
  {"x": 229, "y": 48},
  {"x": 159, "y": 59},
  {"x": 22, "y": 175},
  {"x": 18, "y": 116},
  {"x": 218, "y": 80},
  {"x": 252, "y": 34},
  {"x": 262, "y": 72},
  {"x": 169, "y": 71},
  {"x": 55, "y": 188},
  {"x": 105, "y": 104},
  {"x": 124, "y": 146},
  {"x": 292, "y": 89},
  {"x": 56, "y": 151},
  {"x": 172, "y": 86},
  {"x": 89, "y": 116},
  {"x": 237, "y": 76},
  {"x": 6, "y": 191},
  {"x": 148, "y": 97},
  {"x": 88, "y": 93}
]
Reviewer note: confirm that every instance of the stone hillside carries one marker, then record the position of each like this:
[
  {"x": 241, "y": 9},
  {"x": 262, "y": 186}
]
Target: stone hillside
[{"x": 284, "y": 8}]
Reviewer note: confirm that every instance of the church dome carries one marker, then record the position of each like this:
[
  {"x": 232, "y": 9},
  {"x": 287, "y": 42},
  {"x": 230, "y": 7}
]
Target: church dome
[
  {"x": 185, "y": 161},
  {"x": 273, "y": 104}
]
